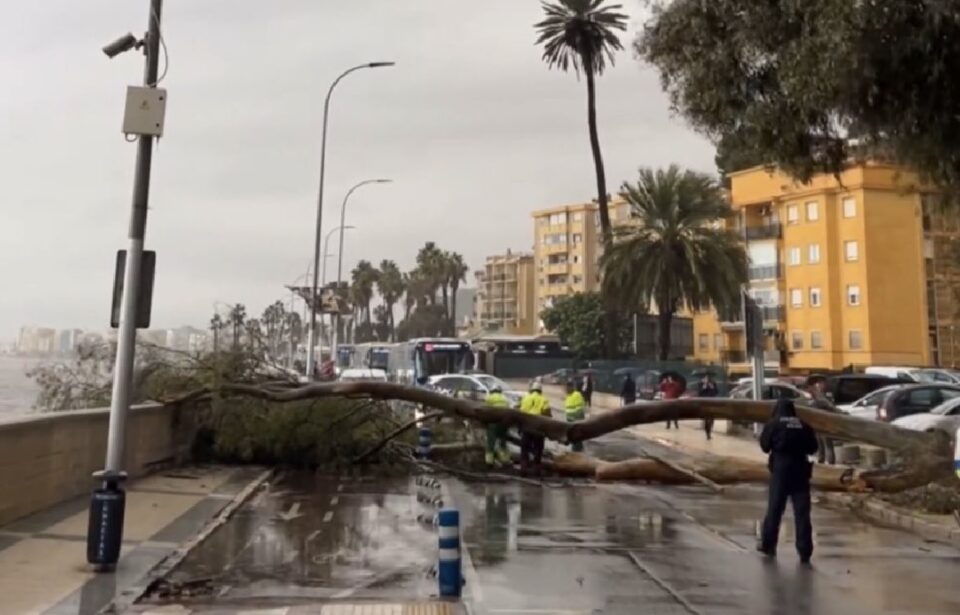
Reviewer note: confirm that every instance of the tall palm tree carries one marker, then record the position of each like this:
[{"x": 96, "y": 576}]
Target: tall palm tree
[
  {"x": 456, "y": 270},
  {"x": 678, "y": 254},
  {"x": 582, "y": 34},
  {"x": 430, "y": 268},
  {"x": 390, "y": 285},
  {"x": 236, "y": 318},
  {"x": 364, "y": 277},
  {"x": 216, "y": 325}
]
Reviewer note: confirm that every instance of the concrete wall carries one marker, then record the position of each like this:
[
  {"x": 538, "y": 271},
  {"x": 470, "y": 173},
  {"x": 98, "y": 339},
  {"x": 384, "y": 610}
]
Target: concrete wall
[{"x": 49, "y": 458}]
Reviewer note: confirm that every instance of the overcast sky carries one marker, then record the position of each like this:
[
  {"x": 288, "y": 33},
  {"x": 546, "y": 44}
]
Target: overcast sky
[{"x": 471, "y": 126}]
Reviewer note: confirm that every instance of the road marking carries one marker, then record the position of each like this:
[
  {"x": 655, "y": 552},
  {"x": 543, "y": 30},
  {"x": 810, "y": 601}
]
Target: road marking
[
  {"x": 328, "y": 516},
  {"x": 664, "y": 585},
  {"x": 339, "y": 488},
  {"x": 334, "y": 501},
  {"x": 313, "y": 535}
]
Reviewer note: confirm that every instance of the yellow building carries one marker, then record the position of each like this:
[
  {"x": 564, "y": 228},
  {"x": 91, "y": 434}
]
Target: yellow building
[
  {"x": 849, "y": 271},
  {"x": 568, "y": 245},
  {"x": 505, "y": 294}
]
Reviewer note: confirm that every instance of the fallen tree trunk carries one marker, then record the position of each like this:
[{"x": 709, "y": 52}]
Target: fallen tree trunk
[{"x": 926, "y": 456}]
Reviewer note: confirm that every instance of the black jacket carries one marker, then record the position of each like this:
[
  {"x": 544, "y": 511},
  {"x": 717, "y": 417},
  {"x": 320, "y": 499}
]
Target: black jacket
[
  {"x": 788, "y": 440},
  {"x": 629, "y": 389}
]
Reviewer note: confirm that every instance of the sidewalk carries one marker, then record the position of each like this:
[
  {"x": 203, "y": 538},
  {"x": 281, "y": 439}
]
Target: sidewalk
[{"x": 43, "y": 566}]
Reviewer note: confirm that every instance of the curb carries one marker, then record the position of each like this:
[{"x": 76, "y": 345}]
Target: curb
[{"x": 887, "y": 514}]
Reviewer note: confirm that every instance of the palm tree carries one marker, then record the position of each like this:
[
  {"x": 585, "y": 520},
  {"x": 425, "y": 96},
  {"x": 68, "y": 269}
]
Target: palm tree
[
  {"x": 364, "y": 277},
  {"x": 390, "y": 285},
  {"x": 238, "y": 314},
  {"x": 581, "y": 34},
  {"x": 456, "y": 270},
  {"x": 216, "y": 325},
  {"x": 678, "y": 254},
  {"x": 430, "y": 268}
]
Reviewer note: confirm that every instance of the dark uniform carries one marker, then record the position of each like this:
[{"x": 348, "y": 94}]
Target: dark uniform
[{"x": 788, "y": 441}]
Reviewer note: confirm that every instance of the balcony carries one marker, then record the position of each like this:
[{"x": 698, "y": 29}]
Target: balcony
[
  {"x": 764, "y": 231},
  {"x": 765, "y": 272},
  {"x": 771, "y": 313}
]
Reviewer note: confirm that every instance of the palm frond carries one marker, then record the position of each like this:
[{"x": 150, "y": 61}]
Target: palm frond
[{"x": 580, "y": 34}]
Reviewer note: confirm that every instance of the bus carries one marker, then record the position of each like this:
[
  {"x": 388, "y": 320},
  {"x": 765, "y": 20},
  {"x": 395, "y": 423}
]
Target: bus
[
  {"x": 413, "y": 361},
  {"x": 345, "y": 353},
  {"x": 373, "y": 355}
]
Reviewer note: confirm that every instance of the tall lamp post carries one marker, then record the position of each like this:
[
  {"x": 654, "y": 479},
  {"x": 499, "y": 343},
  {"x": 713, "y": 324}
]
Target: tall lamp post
[
  {"x": 326, "y": 255},
  {"x": 311, "y": 358},
  {"x": 343, "y": 216},
  {"x": 105, "y": 529}
]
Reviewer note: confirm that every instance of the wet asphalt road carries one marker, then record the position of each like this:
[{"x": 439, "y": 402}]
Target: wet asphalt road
[{"x": 587, "y": 549}]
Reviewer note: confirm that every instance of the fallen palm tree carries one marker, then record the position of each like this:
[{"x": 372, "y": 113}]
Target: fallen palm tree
[{"x": 920, "y": 457}]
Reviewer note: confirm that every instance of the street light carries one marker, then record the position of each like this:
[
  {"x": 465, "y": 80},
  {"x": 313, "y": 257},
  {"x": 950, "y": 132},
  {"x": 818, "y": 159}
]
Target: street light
[
  {"x": 326, "y": 249},
  {"x": 343, "y": 216},
  {"x": 316, "y": 242}
]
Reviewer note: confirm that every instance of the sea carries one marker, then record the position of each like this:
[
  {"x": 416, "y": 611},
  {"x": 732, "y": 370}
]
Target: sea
[{"x": 17, "y": 392}]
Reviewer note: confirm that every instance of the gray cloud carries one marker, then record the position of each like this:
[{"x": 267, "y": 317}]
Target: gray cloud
[{"x": 473, "y": 128}]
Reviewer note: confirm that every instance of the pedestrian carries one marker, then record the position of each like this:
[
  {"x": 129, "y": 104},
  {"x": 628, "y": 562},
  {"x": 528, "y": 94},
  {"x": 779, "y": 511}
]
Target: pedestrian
[
  {"x": 628, "y": 391},
  {"x": 707, "y": 388},
  {"x": 788, "y": 441},
  {"x": 497, "y": 453},
  {"x": 587, "y": 389},
  {"x": 531, "y": 442},
  {"x": 670, "y": 388},
  {"x": 817, "y": 388},
  {"x": 574, "y": 407}
]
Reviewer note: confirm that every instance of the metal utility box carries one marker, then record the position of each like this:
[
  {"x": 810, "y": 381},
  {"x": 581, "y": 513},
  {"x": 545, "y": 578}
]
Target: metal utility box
[{"x": 144, "y": 111}]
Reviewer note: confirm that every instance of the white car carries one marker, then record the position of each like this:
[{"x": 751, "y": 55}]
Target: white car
[
  {"x": 357, "y": 375},
  {"x": 866, "y": 406},
  {"x": 945, "y": 418},
  {"x": 474, "y": 386}
]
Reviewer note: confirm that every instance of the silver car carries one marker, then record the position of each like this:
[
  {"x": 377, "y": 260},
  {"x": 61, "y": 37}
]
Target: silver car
[{"x": 945, "y": 418}]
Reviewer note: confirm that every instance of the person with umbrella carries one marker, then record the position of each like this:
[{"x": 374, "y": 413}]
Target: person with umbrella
[
  {"x": 707, "y": 388},
  {"x": 628, "y": 391}
]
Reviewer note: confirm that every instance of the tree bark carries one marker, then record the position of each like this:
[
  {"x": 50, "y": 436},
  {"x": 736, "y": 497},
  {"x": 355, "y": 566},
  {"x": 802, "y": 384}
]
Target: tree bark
[
  {"x": 602, "y": 204},
  {"x": 664, "y": 322}
]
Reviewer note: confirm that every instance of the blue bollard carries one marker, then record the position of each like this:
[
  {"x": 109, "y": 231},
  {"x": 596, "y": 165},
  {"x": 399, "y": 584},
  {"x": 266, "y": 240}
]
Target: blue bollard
[
  {"x": 449, "y": 571},
  {"x": 423, "y": 443},
  {"x": 956, "y": 455}
]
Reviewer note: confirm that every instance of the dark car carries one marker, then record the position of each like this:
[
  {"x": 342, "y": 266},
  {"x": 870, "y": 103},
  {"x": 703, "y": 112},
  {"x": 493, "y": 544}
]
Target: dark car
[
  {"x": 914, "y": 399},
  {"x": 845, "y": 389}
]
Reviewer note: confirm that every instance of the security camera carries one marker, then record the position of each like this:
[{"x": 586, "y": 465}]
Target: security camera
[{"x": 125, "y": 43}]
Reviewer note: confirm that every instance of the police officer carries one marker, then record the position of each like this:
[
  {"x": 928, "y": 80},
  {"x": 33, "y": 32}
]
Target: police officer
[
  {"x": 788, "y": 441},
  {"x": 531, "y": 443}
]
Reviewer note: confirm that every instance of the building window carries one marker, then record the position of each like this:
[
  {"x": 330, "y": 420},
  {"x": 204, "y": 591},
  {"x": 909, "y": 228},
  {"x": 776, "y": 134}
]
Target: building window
[
  {"x": 554, "y": 238},
  {"x": 816, "y": 340},
  {"x": 577, "y": 279},
  {"x": 813, "y": 211},
  {"x": 855, "y": 340},
  {"x": 576, "y": 259},
  {"x": 813, "y": 253},
  {"x": 796, "y": 340},
  {"x": 853, "y": 294},
  {"x": 704, "y": 341},
  {"x": 577, "y": 238},
  {"x": 577, "y": 216},
  {"x": 793, "y": 214},
  {"x": 558, "y": 219},
  {"x": 796, "y": 297},
  {"x": 851, "y": 250},
  {"x": 793, "y": 256},
  {"x": 849, "y": 207},
  {"x": 718, "y": 341},
  {"x": 814, "y": 297}
]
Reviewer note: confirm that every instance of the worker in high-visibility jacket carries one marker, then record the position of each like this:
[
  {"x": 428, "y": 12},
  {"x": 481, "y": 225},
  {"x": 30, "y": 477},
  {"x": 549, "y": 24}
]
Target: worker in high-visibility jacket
[
  {"x": 531, "y": 443},
  {"x": 575, "y": 408},
  {"x": 497, "y": 452}
]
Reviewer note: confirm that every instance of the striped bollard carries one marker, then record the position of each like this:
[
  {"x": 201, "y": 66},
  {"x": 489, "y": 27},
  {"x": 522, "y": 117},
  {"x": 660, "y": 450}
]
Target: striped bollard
[
  {"x": 423, "y": 442},
  {"x": 956, "y": 455},
  {"x": 448, "y": 570}
]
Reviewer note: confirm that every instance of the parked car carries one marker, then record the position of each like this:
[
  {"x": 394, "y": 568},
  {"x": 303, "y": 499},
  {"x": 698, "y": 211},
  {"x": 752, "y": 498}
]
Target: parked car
[
  {"x": 945, "y": 417},
  {"x": 844, "y": 389},
  {"x": 772, "y": 389},
  {"x": 915, "y": 399},
  {"x": 866, "y": 406},
  {"x": 936, "y": 375},
  {"x": 474, "y": 386}
]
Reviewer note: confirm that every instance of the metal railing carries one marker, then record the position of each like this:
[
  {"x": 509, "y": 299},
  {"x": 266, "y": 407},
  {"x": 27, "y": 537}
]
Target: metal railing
[
  {"x": 765, "y": 272},
  {"x": 765, "y": 231}
]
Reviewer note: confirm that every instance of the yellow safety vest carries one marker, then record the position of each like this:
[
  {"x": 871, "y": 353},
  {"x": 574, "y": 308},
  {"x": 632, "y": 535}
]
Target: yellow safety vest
[
  {"x": 535, "y": 403},
  {"x": 498, "y": 400},
  {"x": 574, "y": 403}
]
